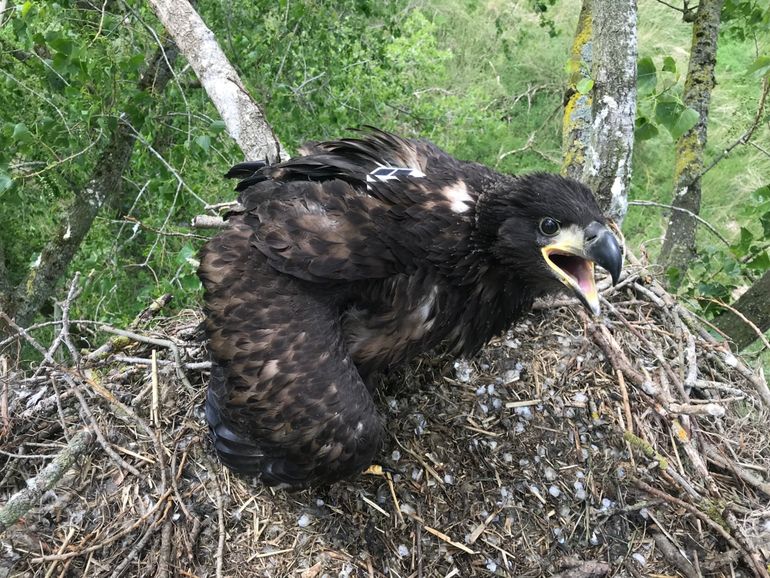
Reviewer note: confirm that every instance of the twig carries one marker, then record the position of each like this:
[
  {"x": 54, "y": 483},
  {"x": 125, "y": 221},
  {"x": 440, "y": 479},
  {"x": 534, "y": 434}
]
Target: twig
[
  {"x": 152, "y": 512},
  {"x": 698, "y": 218},
  {"x": 152, "y": 527},
  {"x": 745, "y": 137},
  {"x": 672, "y": 554},
  {"x": 27, "y": 337},
  {"x": 742, "y": 317},
  {"x": 208, "y": 222},
  {"x": 758, "y": 569},
  {"x": 20, "y": 503},
  {"x": 219, "y": 556},
  {"x": 723, "y": 462},
  {"x": 99, "y": 435}
]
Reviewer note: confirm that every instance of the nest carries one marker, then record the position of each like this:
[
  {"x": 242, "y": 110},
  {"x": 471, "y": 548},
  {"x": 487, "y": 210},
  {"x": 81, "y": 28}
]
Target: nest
[{"x": 630, "y": 445}]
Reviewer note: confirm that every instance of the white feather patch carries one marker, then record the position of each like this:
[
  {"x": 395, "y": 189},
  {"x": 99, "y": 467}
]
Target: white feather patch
[{"x": 458, "y": 196}]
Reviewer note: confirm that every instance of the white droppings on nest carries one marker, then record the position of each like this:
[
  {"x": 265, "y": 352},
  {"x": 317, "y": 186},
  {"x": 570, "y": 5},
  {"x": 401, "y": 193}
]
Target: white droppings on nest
[
  {"x": 463, "y": 371},
  {"x": 580, "y": 491},
  {"x": 550, "y": 474},
  {"x": 449, "y": 479},
  {"x": 407, "y": 509},
  {"x": 421, "y": 424},
  {"x": 524, "y": 412},
  {"x": 304, "y": 521},
  {"x": 554, "y": 491},
  {"x": 491, "y": 565},
  {"x": 403, "y": 551},
  {"x": 417, "y": 474},
  {"x": 395, "y": 456},
  {"x": 512, "y": 343}
]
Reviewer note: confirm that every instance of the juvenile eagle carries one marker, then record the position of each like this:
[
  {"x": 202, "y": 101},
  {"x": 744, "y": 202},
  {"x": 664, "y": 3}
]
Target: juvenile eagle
[{"x": 355, "y": 257}]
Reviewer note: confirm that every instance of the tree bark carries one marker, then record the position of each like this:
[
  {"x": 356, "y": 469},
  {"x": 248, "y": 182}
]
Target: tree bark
[
  {"x": 104, "y": 187},
  {"x": 679, "y": 243},
  {"x": 754, "y": 306},
  {"x": 599, "y": 143},
  {"x": 576, "y": 124},
  {"x": 243, "y": 117}
]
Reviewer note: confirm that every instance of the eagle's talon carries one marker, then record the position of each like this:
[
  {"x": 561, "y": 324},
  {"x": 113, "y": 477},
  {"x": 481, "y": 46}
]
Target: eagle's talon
[{"x": 381, "y": 470}]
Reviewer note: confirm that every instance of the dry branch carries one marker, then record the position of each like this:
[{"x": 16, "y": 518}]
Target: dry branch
[
  {"x": 244, "y": 118},
  {"x": 21, "y": 502}
]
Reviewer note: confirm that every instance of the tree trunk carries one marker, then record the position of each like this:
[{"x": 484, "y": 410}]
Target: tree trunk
[
  {"x": 576, "y": 124},
  {"x": 243, "y": 117},
  {"x": 679, "y": 244},
  {"x": 104, "y": 187},
  {"x": 754, "y": 306},
  {"x": 598, "y": 143}
]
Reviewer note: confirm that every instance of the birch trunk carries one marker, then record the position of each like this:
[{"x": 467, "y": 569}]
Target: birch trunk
[
  {"x": 679, "y": 243},
  {"x": 598, "y": 144},
  {"x": 243, "y": 118}
]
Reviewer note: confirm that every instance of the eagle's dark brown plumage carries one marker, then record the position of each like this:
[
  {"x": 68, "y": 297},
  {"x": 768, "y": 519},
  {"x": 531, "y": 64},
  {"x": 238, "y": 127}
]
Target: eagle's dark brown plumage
[{"x": 355, "y": 257}]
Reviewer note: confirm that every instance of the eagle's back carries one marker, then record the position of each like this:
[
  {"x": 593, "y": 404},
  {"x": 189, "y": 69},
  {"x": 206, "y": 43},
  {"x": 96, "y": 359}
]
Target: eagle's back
[{"x": 340, "y": 263}]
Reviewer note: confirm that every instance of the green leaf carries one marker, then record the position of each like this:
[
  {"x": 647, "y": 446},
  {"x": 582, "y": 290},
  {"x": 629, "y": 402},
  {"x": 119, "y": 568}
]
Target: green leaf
[
  {"x": 669, "y": 64},
  {"x": 761, "y": 194},
  {"x": 5, "y": 182},
  {"x": 217, "y": 126},
  {"x": 21, "y": 133},
  {"x": 742, "y": 248},
  {"x": 204, "y": 141},
  {"x": 645, "y": 130},
  {"x": 760, "y": 67},
  {"x": 25, "y": 8},
  {"x": 646, "y": 77},
  {"x": 688, "y": 119},
  {"x": 765, "y": 222},
  {"x": 667, "y": 111},
  {"x": 585, "y": 85},
  {"x": 760, "y": 263}
]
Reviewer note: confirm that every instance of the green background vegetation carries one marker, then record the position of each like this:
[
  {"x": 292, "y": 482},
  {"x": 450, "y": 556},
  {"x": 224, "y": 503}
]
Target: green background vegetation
[{"x": 485, "y": 80}]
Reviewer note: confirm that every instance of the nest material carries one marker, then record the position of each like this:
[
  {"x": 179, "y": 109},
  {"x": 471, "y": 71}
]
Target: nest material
[{"x": 630, "y": 445}]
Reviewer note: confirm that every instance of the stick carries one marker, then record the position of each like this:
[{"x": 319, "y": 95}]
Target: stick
[{"x": 21, "y": 502}]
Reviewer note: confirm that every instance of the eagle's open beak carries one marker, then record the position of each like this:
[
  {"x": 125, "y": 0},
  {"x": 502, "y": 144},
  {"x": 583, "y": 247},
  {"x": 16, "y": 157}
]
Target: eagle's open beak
[{"x": 572, "y": 256}]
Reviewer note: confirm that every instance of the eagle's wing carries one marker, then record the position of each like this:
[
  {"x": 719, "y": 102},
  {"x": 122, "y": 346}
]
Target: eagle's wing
[
  {"x": 359, "y": 209},
  {"x": 285, "y": 398}
]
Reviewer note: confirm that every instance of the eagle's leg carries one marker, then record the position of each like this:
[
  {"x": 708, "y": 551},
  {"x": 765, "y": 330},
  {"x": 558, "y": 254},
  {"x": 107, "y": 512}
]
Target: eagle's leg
[{"x": 286, "y": 400}]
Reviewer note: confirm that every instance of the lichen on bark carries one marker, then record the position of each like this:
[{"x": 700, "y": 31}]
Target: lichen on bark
[
  {"x": 679, "y": 242},
  {"x": 598, "y": 127}
]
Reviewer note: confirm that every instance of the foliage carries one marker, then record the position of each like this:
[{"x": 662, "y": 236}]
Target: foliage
[{"x": 483, "y": 79}]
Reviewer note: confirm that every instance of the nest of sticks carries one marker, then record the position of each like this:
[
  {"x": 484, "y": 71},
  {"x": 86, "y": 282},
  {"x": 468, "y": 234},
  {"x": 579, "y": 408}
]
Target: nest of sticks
[{"x": 630, "y": 445}]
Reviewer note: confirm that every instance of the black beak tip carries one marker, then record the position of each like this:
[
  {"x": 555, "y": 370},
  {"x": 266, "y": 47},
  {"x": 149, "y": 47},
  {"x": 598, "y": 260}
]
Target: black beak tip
[{"x": 605, "y": 251}]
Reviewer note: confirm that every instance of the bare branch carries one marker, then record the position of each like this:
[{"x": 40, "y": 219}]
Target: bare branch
[
  {"x": 698, "y": 218},
  {"x": 244, "y": 119},
  {"x": 21, "y": 502}
]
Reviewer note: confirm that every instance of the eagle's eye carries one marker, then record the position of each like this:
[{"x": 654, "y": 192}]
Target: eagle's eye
[{"x": 549, "y": 226}]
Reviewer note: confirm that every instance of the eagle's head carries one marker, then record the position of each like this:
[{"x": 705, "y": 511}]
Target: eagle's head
[{"x": 549, "y": 232}]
